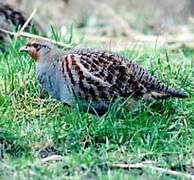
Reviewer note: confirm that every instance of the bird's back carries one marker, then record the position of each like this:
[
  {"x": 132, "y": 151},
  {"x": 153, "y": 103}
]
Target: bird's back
[{"x": 103, "y": 75}]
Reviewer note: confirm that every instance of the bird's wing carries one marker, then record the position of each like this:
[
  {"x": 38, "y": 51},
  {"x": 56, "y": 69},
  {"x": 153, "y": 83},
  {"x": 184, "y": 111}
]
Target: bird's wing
[
  {"x": 116, "y": 69},
  {"x": 98, "y": 77}
]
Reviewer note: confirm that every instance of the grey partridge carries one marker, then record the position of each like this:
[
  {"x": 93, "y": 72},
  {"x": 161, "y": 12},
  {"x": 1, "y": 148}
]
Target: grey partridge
[
  {"x": 94, "y": 77},
  {"x": 11, "y": 18}
]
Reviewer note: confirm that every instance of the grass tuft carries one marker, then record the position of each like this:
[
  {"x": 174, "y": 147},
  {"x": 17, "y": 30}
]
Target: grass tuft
[{"x": 161, "y": 132}]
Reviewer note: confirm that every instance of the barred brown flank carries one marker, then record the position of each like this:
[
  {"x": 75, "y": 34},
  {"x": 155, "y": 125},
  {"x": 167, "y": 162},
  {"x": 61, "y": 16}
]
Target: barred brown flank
[
  {"x": 63, "y": 67},
  {"x": 67, "y": 64}
]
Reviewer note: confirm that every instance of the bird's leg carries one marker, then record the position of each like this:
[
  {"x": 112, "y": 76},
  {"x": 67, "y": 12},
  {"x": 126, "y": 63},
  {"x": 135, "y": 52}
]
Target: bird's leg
[{"x": 42, "y": 93}]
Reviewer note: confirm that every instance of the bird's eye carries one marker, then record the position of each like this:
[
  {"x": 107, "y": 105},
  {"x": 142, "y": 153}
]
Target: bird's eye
[{"x": 36, "y": 46}]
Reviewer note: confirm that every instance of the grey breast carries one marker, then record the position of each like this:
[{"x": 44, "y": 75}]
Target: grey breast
[{"x": 52, "y": 80}]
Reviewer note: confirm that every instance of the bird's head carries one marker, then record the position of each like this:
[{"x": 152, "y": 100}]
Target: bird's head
[{"x": 37, "y": 49}]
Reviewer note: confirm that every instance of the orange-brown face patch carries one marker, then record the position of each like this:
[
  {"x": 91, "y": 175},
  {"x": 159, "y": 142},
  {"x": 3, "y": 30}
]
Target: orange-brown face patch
[{"x": 33, "y": 53}]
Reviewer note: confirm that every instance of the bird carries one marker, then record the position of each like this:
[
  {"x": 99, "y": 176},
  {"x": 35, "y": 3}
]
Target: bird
[
  {"x": 96, "y": 78},
  {"x": 12, "y": 18}
]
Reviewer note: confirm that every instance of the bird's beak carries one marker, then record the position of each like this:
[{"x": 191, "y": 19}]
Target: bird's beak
[{"x": 24, "y": 49}]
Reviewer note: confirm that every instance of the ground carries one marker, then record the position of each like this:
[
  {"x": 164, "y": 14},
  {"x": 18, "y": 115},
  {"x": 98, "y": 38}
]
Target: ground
[{"x": 88, "y": 146}]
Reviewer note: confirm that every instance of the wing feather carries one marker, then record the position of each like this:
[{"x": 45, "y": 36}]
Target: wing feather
[{"x": 101, "y": 76}]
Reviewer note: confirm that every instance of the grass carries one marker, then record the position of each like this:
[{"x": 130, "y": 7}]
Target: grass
[{"x": 162, "y": 132}]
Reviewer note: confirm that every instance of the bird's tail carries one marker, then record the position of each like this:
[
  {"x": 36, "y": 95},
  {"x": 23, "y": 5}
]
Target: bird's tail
[
  {"x": 166, "y": 93},
  {"x": 176, "y": 93},
  {"x": 155, "y": 89}
]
